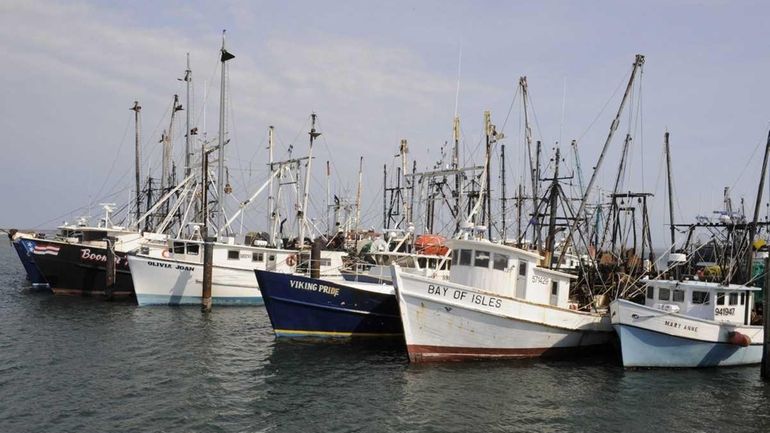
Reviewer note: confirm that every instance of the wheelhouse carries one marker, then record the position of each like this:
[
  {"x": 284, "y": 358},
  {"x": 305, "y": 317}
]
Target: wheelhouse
[
  {"x": 732, "y": 303},
  {"x": 508, "y": 271}
]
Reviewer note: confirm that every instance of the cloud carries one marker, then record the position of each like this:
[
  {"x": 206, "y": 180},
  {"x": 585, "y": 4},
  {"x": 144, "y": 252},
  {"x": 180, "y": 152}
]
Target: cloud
[{"x": 368, "y": 95}]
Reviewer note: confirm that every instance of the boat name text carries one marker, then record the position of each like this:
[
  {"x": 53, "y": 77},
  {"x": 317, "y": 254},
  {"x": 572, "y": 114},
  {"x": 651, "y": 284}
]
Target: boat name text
[
  {"x": 678, "y": 325},
  {"x": 314, "y": 287},
  {"x": 457, "y": 294},
  {"x": 86, "y": 254}
]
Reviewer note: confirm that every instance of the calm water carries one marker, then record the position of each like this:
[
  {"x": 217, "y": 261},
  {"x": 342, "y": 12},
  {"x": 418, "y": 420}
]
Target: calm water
[{"x": 82, "y": 365}]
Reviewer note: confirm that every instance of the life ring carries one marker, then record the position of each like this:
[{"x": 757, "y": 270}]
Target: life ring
[
  {"x": 291, "y": 260},
  {"x": 165, "y": 254}
]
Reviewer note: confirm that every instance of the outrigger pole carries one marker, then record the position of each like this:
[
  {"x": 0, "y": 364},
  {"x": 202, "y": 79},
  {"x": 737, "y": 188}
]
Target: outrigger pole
[{"x": 638, "y": 62}]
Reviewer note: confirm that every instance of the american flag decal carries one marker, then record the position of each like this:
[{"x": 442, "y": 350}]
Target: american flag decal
[{"x": 46, "y": 249}]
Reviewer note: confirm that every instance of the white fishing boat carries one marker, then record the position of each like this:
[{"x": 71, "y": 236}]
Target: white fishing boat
[
  {"x": 498, "y": 303},
  {"x": 688, "y": 324},
  {"x": 173, "y": 274}
]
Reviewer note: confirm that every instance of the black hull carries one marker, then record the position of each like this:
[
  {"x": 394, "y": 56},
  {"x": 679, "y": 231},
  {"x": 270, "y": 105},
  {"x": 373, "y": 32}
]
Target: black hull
[{"x": 77, "y": 269}]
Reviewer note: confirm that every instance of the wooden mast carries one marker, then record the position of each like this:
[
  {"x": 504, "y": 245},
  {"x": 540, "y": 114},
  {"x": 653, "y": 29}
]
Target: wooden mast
[
  {"x": 384, "y": 196},
  {"x": 670, "y": 190},
  {"x": 528, "y": 139},
  {"x": 458, "y": 174},
  {"x": 536, "y": 197},
  {"x": 403, "y": 150},
  {"x": 519, "y": 203},
  {"x": 271, "y": 213},
  {"x": 358, "y": 194},
  {"x": 137, "y": 158},
  {"x": 638, "y": 62},
  {"x": 758, "y": 203},
  {"x": 554, "y": 196},
  {"x": 187, "y": 148},
  {"x": 487, "y": 214},
  {"x": 167, "y": 143},
  {"x": 503, "y": 198},
  {"x": 301, "y": 213},
  {"x": 224, "y": 57},
  {"x": 328, "y": 203}
]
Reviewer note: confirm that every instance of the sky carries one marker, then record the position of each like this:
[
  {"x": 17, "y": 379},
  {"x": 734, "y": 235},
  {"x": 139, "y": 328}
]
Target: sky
[{"x": 376, "y": 73}]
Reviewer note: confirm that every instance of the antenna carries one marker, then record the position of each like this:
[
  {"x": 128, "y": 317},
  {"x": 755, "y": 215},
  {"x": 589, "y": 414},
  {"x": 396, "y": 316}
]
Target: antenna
[{"x": 459, "y": 68}]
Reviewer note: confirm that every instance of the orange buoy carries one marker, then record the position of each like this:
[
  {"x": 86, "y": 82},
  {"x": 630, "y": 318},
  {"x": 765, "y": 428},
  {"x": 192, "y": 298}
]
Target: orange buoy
[
  {"x": 738, "y": 339},
  {"x": 431, "y": 245}
]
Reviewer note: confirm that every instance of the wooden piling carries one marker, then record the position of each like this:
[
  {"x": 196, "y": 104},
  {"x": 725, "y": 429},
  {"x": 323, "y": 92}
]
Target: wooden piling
[
  {"x": 208, "y": 256},
  {"x": 315, "y": 258},
  {"x": 766, "y": 322},
  {"x": 109, "y": 277}
]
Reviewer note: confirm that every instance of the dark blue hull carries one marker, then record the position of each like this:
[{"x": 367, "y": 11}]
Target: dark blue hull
[
  {"x": 306, "y": 307},
  {"x": 363, "y": 278},
  {"x": 24, "y": 248}
]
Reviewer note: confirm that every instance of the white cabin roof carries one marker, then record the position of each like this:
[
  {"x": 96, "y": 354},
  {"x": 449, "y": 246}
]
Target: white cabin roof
[
  {"x": 493, "y": 247},
  {"x": 555, "y": 272},
  {"x": 700, "y": 285}
]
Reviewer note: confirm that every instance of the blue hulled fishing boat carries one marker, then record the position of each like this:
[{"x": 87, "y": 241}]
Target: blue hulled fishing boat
[
  {"x": 310, "y": 307},
  {"x": 24, "y": 244}
]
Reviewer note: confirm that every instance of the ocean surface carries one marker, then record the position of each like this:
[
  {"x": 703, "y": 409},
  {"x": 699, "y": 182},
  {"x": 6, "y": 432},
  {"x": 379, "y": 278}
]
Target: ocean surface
[{"x": 72, "y": 364}]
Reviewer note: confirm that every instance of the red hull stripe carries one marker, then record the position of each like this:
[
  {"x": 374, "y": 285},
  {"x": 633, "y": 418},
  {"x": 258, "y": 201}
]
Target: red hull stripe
[
  {"x": 421, "y": 353},
  {"x": 78, "y": 292}
]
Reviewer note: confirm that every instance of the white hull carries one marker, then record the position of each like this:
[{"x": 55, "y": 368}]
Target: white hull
[
  {"x": 448, "y": 321},
  {"x": 654, "y": 338},
  {"x": 160, "y": 281}
]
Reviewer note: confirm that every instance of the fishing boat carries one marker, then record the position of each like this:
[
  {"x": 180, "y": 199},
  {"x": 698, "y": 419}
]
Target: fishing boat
[
  {"x": 688, "y": 324},
  {"x": 302, "y": 306},
  {"x": 24, "y": 245},
  {"x": 173, "y": 274},
  {"x": 428, "y": 255},
  {"x": 498, "y": 303},
  {"x": 74, "y": 262},
  {"x": 363, "y": 303}
]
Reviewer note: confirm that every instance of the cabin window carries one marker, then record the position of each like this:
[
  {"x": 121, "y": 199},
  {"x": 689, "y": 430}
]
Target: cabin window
[
  {"x": 271, "y": 257},
  {"x": 664, "y": 294},
  {"x": 93, "y": 236},
  {"x": 720, "y": 298},
  {"x": 700, "y": 297},
  {"x": 650, "y": 292},
  {"x": 482, "y": 259},
  {"x": 193, "y": 249},
  {"x": 465, "y": 257},
  {"x": 733, "y": 299},
  {"x": 178, "y": 247},
  {"x": 257, "y": 257},
  {"x": 678, "y": 296},
  {"x": 522, "y": 268},
  {"x": 500, "y": 262},
  {"x": 232, "y": 255},
  {"x": 554, "y": 288},
  {"x": 455, "y": 254},
  {"x": 743, "y": 298},
  {"x": 422, "y": 262},
  {"x": 326, "y": 261}
]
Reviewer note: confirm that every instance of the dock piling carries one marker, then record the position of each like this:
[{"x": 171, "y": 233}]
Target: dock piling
[
  {"x": 109, "y": 268},
  {"x": 315, "y": 258},
  {"x": 766, "y": 323},
  {"x": 208, "y": 255}
]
